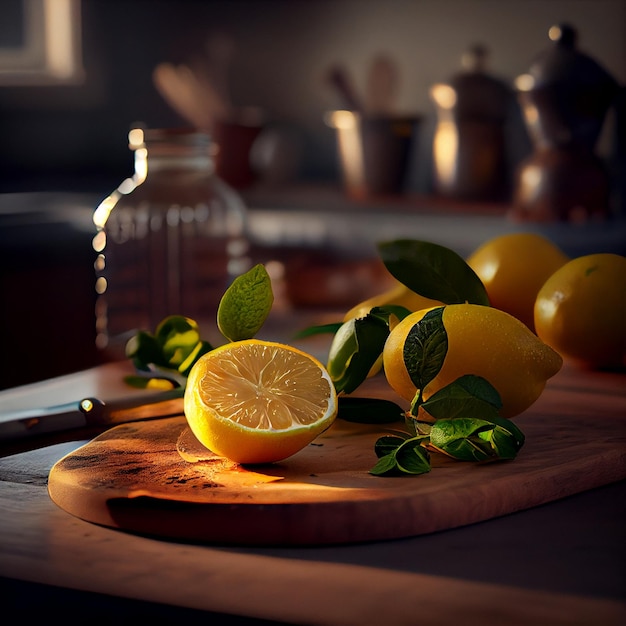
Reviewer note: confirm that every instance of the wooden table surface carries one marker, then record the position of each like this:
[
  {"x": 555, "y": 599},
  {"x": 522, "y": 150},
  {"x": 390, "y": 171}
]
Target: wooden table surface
[{"x": 559, "y": 563}]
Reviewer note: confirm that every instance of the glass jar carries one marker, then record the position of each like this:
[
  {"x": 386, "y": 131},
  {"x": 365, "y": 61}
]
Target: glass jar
[{"x": 169, "y": 239}]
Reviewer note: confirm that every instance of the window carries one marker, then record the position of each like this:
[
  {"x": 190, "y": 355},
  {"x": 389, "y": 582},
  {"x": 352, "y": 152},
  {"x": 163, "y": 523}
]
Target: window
[{"x": 40, "y": 42}]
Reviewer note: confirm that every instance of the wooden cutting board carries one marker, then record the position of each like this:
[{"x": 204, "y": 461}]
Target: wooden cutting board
[{"x": 146, "y": 477}]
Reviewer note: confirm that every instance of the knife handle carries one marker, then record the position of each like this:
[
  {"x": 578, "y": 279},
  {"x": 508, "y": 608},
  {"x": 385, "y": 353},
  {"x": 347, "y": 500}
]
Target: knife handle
[{"x": 162, "y": 404}]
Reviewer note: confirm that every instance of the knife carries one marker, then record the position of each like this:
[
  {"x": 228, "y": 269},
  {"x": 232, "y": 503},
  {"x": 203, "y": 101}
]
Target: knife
[{"x": 89, "y": 413}]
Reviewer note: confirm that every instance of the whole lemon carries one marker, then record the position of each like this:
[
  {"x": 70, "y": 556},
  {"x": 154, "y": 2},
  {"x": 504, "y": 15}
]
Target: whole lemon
[
  {"x": 513, "y": 267},
  {"x": 399, "y": 295},
  {"x": 581, "y": 310},
  {"x": 483, "y": 341}
]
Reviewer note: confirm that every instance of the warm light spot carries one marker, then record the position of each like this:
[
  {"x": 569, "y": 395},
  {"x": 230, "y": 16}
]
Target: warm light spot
[
  {"x": 531, "y": 176},
  {"x": 141, "y": 165},
  {"x": 546, "y": 309},
  {"x": 555, "y": 33},
  {"x": 99, "y": 241},
  {"x": 101, "y": 285},
  {"x": 350, "y": 147},
  {"x": 342, "y": 119},
  {"x": 101, "y": 214},
  {"x": 525, "y": 82},
  {"x": 275, "y": 270},
  {"x": 136, "y": 137},
  {"x": 445, "y": 148},
  {"x": 531, "y": 113},
  {"x": 62, "y": 59},
  {"x": 126, "y": 186},
  {"x": 86, "y": 405},
  {"x": 444, "y": 96},
  {"x": 488, "y": 271},
  {"x": 100, "y": 263},
  {"x": 49, "y": 50}
]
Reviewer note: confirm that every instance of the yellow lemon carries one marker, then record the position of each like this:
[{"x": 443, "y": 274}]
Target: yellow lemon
[
  {"x": 399, "y": 295},
  {"x": 483, "y": 341},
  {"x": 258, "y": 401},
  {"x": 513, "y": 267},
  {"x": 581, "y": 310}
]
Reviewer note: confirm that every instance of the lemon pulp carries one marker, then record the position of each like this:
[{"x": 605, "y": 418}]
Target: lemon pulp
[{"x": 258, "y": 401}]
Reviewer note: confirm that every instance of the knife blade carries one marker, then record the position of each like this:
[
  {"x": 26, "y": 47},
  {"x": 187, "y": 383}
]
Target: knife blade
[{"x": 89, "y": 413}]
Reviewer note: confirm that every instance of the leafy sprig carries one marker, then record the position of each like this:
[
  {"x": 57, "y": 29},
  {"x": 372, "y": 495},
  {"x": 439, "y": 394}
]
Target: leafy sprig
[
  {"x": 167, "y": 356},
  {"x": 461, "y": 420},
  {"x": 433, "y": 271}
]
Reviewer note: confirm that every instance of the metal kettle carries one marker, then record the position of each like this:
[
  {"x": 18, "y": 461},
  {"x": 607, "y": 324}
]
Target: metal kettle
[
  {"x": 469, "y": 151},
  {"x": 565, "y": 97}
]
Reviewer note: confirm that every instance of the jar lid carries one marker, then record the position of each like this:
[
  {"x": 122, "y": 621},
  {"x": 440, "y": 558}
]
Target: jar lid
[{"x": 176, "y": 135}]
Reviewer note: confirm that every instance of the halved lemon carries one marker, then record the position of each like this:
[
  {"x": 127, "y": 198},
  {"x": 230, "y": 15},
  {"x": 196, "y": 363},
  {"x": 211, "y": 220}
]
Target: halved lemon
[{"x": 258, "y": 401}]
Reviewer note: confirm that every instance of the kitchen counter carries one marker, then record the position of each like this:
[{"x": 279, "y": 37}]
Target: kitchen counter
[{"x": 562, "y": 562}]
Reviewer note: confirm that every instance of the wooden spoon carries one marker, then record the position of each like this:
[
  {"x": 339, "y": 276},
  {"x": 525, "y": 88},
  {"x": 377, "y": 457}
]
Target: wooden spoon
[
  {"x": 339, "y": 78},
  {"x": 381, "y": 86},
  {"x": 171, "y": 82},
  {"x": 190, "y": 94}
]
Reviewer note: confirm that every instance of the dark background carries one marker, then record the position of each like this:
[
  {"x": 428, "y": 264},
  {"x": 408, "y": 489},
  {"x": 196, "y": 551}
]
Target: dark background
[
  {"x": 63, "y": 147},
  {"x": 73, "y": 137}
]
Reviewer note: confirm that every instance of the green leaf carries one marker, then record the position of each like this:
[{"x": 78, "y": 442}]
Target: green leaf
[
  {"x": 385, "y": 465},
  {"x": 245, "y": 305},
  {"x": 169, "y": 354},
  {"x": 384, "y": 312},
  {"x": 503, "y": 443},
  {"x": 472, "y": 397},
  {"x": 144, "y": 349},
  {"x": 202, "y": 347},
  {"x": 388, "y": 444},
  {"x": 172, "y": 347},
  {"x": 178, "y": 336},
  {"x": 412, "y": 457},
  {"x": 480, "y": 388},
  {"x": 425, "y": 348},
  {"x": 401, "y": 454},
  {"x": 468, "y": 396},
  {"x": 355, "y": 348},
  {"x": 321, "y": 329},
  {"x": 470, "y": 439},
  {"x": 460, "y": 438},
  {"x": 369, "y": 410},
  {"x": 433, "y": 271},
  {"x": 510, "y": 428}
]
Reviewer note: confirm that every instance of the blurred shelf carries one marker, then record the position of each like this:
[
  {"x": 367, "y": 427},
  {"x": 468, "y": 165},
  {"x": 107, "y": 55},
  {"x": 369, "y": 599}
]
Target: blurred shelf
[
  {"x": 323, "y": 216},
  {"x": 324, "y": 243}
]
